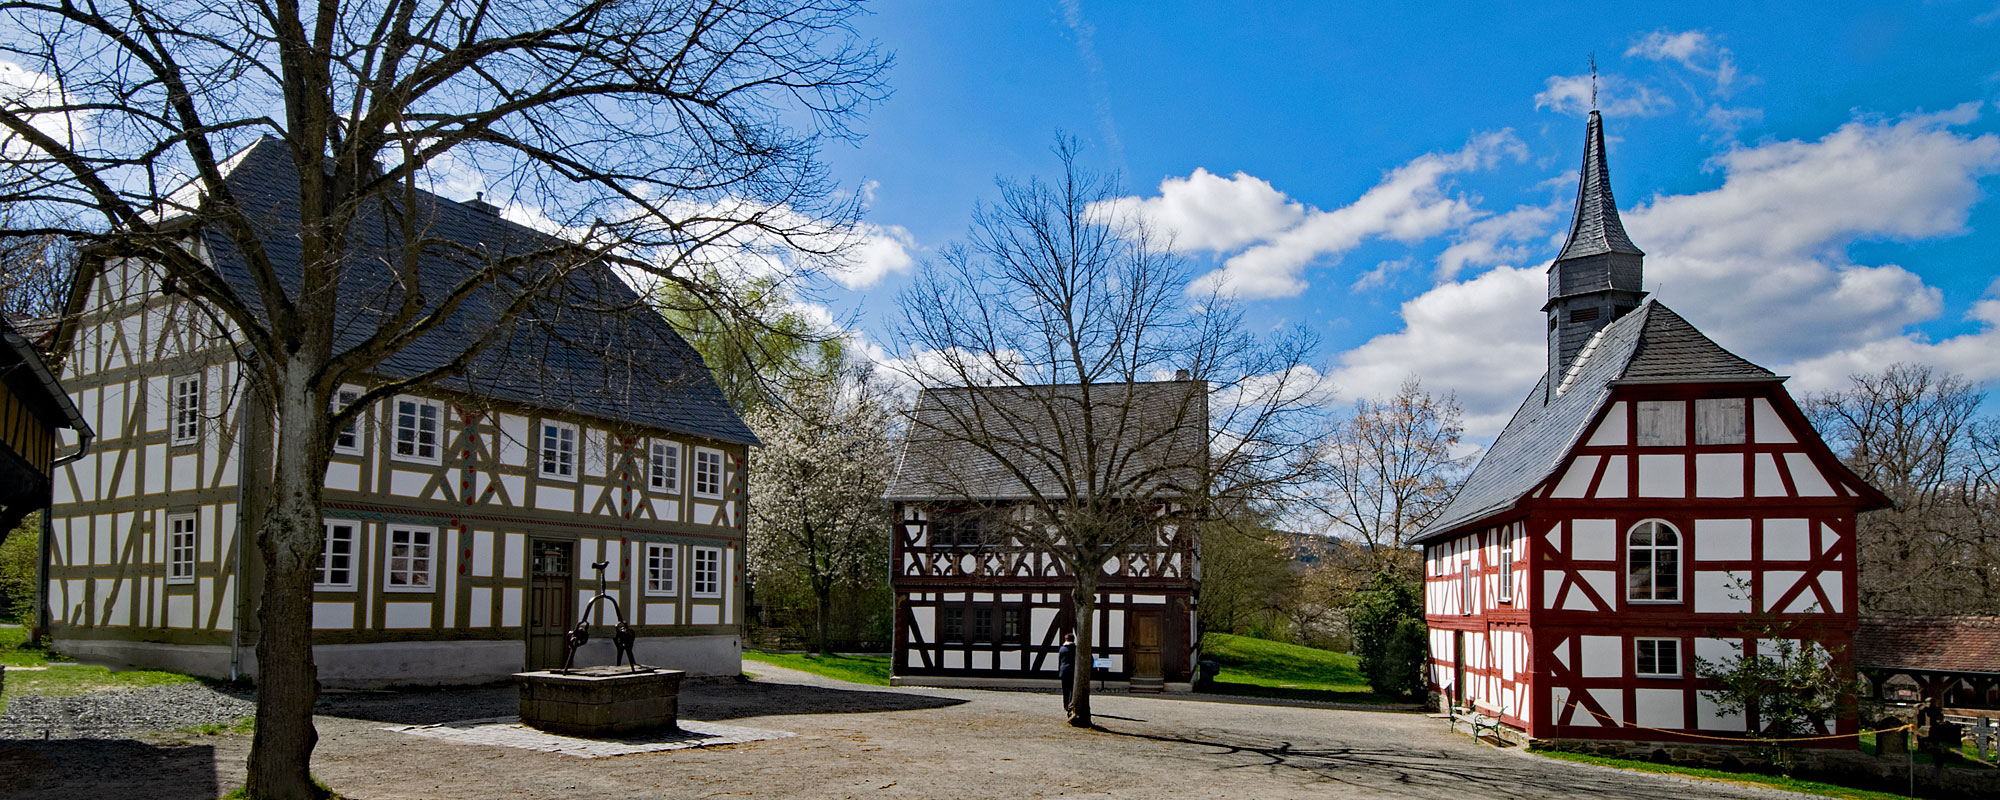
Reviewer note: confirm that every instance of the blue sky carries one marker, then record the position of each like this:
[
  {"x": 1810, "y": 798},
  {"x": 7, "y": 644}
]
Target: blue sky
[{"x": 1812, "y": 186}]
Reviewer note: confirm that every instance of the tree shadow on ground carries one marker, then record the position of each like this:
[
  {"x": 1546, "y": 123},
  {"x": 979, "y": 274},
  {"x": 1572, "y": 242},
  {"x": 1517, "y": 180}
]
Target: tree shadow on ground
[
  {"x": 711, "y": 701},
  {"x": 1410, "y": 770},
  {"x": 117, "y": 769}
]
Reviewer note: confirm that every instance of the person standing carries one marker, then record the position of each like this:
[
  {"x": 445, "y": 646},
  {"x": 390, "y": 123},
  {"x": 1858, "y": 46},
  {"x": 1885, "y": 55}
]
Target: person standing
[{"x": 1066, "y": 664}]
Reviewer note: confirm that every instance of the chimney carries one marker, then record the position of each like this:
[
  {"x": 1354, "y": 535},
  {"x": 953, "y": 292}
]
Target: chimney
[
  {"x": 1182, "y": 375},
  {"x": 478, "y": 203}
]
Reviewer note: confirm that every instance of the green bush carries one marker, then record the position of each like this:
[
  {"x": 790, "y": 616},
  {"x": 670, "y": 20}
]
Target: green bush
[
  {"x": 1387, "y": 620},
  {"x": 17, "y": 571}
]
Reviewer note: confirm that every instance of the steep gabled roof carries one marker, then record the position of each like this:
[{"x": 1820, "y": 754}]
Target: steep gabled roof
[
  {"x": 1650, "y": 345},
  {"x": 590, "y": 347},
  {"x": 1595, "y": 228},
  {"x": 1157, "y": 433}
]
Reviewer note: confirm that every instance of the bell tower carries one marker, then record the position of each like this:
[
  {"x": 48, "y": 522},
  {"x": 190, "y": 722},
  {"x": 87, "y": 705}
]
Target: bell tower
[{"x": 1597, "y": 276}]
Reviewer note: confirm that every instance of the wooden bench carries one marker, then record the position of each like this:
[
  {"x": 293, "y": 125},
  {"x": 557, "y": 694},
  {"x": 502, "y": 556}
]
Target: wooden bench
[{"x": 1477, "y": 716}]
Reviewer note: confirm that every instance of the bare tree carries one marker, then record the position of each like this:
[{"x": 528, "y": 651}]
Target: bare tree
[
  {"x": 818, "y": 482},
  {"x": 1075, "y": 313},
  {"x": 1916, "y": 434},
  {"x": 1389, "y": 469},
  {"x": 652, "y": 134}
]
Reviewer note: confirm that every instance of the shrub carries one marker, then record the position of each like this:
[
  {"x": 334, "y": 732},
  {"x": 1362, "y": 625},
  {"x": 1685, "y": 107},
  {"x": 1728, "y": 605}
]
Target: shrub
[
  {"x": 1387, "y": 621},
  {"x": 17, "y": 571}
]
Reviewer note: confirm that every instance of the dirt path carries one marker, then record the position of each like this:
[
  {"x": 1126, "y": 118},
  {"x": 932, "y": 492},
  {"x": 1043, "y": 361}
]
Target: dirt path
[{"x": 855, "y": 741}]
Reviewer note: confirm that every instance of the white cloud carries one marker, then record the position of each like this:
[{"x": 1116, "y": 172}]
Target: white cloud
[
  {"x": 1758, "y": 263},
  {"x": 1412, "y": 203},
  {"x": 877, "y": 251},
  {"x": 32, "y": 93},
  {"x": 1497, "y": 240},
  {"x": 1693, "y": 50},
  {"x": 1380, "y": 276},
  {"x": 1614, "y": 95},
  {"x": 1205, "y": 211}
]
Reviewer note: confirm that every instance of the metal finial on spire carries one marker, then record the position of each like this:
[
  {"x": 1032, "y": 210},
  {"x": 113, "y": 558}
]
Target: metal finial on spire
[{"x": 1593, "y": 80}]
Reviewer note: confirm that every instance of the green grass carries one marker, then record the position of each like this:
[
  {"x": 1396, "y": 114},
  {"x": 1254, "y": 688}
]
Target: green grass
[
  {"x": 65, "y": 679},
  {"x": 1263, "y": 668},
  {"x": 241, "y": 725},
  {"x": 1742, "y": 778},
  {"x": 871, "y": 670}
]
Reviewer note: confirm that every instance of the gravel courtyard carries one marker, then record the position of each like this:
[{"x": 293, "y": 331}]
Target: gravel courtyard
[{"x": 854, "y": 741}]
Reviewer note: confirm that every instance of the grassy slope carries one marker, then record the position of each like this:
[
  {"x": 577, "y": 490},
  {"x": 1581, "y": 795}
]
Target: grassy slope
[
  {"x": 1275, "y": 669},
  {"x": 872, "y": 670}
]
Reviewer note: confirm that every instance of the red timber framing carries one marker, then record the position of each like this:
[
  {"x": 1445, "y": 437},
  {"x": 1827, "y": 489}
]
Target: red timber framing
[
  {"x": 1558, "y": 637},
  {"x": 997, "y": 610}
]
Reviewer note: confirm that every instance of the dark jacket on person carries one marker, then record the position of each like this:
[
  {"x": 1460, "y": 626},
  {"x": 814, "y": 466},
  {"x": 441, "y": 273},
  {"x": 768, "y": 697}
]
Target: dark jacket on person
[{"x": 1066, "y": 659}]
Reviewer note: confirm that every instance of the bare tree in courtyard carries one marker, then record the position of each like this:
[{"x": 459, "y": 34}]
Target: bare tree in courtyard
[
  {"x": 1079, "y": 322},
  {"x": 651, "y": 134}
]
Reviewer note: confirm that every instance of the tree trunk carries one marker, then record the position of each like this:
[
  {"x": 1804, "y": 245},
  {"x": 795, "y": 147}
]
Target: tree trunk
[
  {"x": 822, "y": 608},
  {"x": 1083, "y": 599},
  {"x": 289, "y": 541}
]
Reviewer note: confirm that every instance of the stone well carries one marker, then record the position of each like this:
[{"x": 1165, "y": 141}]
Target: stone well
[{"x": 601, "y": 701}]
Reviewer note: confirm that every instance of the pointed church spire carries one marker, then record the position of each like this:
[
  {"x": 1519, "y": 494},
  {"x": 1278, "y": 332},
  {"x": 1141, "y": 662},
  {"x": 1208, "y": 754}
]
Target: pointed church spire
[
  {"x": 1597, "y": 276},
  {"x": 1596, "y": 228}
]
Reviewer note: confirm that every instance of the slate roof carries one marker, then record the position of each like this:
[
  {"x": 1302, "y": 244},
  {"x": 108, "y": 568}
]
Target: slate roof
[
  {"x": 1157, "y": 433},
  {"x": 1944, "y": 644},
  {"x": 1595, "y": 229},
  {"x": 589, "y": 347},
  {"x": 1652, "y": 344}
]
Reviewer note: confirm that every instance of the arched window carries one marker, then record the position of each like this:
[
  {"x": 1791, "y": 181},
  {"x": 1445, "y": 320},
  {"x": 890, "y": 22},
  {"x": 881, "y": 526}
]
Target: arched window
[{"x": 1653, "y": 563}]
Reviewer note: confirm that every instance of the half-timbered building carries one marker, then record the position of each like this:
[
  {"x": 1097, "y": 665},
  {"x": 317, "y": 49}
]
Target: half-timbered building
[
  {"x": 1656, "y": 499},
  {"x": 462, "y": 519},
  {"x": 975, "y": 603},
  {"x": 33, "y": 407}
]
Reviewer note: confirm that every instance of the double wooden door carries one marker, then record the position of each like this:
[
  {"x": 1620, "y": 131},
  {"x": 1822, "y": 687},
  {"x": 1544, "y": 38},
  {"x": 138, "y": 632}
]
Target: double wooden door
[{"x": 551, "y": 600}]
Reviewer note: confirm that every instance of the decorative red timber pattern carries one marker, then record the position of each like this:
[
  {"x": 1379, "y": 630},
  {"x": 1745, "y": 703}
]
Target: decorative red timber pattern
[{"x": 1761, "y": 518}]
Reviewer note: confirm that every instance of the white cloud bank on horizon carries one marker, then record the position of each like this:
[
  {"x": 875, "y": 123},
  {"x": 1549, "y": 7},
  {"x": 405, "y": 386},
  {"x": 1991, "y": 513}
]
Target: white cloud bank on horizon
[
  {"x": 1274, "y": 238},
  {"x": 1758, "y": 263}
]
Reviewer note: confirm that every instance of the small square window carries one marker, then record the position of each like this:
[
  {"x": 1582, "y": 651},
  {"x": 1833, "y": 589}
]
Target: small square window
[
  {"x": 1657, "y": 658},
  {"x": 707, "y": 472},
  {"x": 182, "y": 533},
  {"x": 348, "y": 438},
  {"x": 952, "y": 628},
  {"x": 661, "y": 565},
  {"x": 558, "y": 450},
  {"x": 1718, "y": 421},
  {"x": 412, "y": 560},
  {"x": 663, "y": 467},
  {"x": 186, "y": 407},
  {"x": 419, "y": 429},
  {"x": 336, "y": 556},
  {"x": 707, "y": 571},
  {"x": 1662, "y": 423}
]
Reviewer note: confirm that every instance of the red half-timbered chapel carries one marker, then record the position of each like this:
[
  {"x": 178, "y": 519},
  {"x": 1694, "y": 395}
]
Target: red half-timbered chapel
[{"x": 1655, "y": 499}]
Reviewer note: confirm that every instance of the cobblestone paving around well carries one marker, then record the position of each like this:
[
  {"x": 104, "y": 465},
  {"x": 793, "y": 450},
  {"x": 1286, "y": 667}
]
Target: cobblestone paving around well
[{"x": 509, "y": 732}]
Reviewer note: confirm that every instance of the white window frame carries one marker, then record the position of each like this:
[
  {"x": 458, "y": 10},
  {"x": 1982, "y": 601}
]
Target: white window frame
[
  {"x": 342, "y": 398},
  {"x": 429, "y": 556},
  {"x": 1638, "y": 647},
  {"x": 1506, "y": 588},
  {"x": 714, "y": 556},
  {"x": 663, "y": 565},
  {"x": 184, "y": 402},
  {"x": 704, "y": 455},
  {"x": 663, "y": 466},
  {"x": 1465, "y": 587},
  {"x": 1652, "y": 553},
  {"x": 183, "y": 545},
  {"x": 563, "y": 466},
  {"x": 326, "y": 555},
  {"x": 416, "y": 406}
]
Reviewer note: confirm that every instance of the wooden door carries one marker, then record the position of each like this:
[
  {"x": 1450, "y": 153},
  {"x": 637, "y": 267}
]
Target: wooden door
[
  {"x": 551, "y": 601},
  {"x": 1458, "y": 693},
  {"x": 1145, "y": 647}
]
